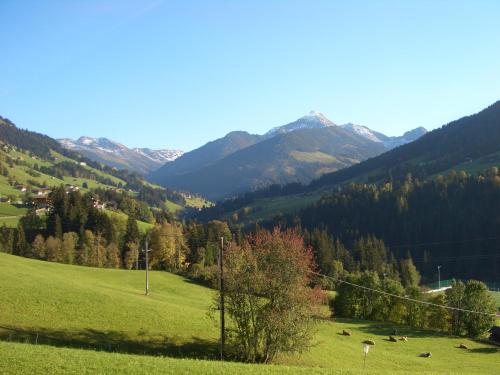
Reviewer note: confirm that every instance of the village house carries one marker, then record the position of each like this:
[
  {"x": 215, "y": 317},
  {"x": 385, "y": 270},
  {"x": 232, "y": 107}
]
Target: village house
[
  {"x": 41, "y": 201},
  {"x": 71, "y": 188},
  {"x": 21, "y": 188},
  {"x": 99, "y": 205}
]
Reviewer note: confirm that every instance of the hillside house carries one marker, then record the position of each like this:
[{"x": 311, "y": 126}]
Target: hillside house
[
  {"x": 41, "y": 201},
  {"x": 99, "y": 205},
  {"x": 71, "y": 188},
  {"x": 42, "y": 192}
]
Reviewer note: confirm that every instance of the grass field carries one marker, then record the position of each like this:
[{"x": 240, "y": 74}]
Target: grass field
[
  {"x": 172, "y": 207},
  {"x": 267, "y": 208},
  {"x": 496, "y": 297},
  {"x": 10, "y": 214},
  {"x": 24, "y": 359},
  {"x": 106, "y": 310},
  {"x": 313, "y": 157},
  {"x": 143, "y": 226},
  {"x": 198, "y": 202},
  {"x": 21, "y": 173}
]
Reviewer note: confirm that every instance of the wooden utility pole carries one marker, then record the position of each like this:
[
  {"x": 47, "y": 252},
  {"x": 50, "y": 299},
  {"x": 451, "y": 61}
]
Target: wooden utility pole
[
  {"x": 147, "y": 267},
  {"x": 221, "y": 301},
  {"x": 439, "y": 277}
]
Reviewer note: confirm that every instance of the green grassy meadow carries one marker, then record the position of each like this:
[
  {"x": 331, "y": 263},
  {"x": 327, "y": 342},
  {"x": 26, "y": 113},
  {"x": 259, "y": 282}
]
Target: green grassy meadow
[
  {"x": 198, "y": 202},
  {"x": 143, "y": 226},
  {"x": 23, "y": 359},
  {"x": 496, "y": 297},
  {"x": 10, "y": 214},
  {"x": 172, "y": 206},
  {"x": 99, "y": 313},
  {"x": 266, "y": 208}
]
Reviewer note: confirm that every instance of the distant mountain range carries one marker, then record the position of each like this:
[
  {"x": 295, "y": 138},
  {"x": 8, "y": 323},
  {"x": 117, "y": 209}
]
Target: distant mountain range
[
  {"x": 103, "y": 150},
  {"x": 300, "y": 151},
  {"x": 471, "y": 143},
  {"x": 388, "y": 142}
]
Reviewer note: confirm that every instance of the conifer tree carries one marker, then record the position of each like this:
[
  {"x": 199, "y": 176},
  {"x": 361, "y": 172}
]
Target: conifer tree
[
  {"x": 409, "y": 273},
  {"x": 21, "y": 245}
]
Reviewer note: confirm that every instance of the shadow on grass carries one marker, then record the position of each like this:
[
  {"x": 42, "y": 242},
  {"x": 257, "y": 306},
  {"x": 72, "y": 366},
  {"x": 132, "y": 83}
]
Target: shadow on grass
[
  {"x": 484, "y": 350},
  {"x": 390, "y": 329},
  {"x": 198, "y": 282},
  {"x": 113, "y": 341}
]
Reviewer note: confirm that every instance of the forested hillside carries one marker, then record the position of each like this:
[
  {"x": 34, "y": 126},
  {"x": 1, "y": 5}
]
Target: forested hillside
[
  {"x": 58, "y": 206},
  {"x": 450, "y": 221},
  {"x": 457, "y": 144},
  {"x": 114, "y": 154},
  {"x": 470, "y": 144},
  {"x": 296, "y": 156},
  {"x": 31, "y": 162}
]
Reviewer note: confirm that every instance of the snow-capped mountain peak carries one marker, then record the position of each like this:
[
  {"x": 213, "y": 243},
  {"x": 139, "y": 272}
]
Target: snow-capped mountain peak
[
  {"x": 113, "y": 153},
  {"x": 364, "y": 132},
  {"x": 389, "y": 142},
  {"x": 317, "y": 116},
  {"x": 160, "y": 156},
  {"x": 312, "y": 120}
]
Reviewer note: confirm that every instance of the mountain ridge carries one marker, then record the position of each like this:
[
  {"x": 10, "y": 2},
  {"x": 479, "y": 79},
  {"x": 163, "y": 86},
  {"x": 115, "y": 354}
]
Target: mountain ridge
[
  {"x": 290, "y": 159},
  {"x": 107, "y": 151}
]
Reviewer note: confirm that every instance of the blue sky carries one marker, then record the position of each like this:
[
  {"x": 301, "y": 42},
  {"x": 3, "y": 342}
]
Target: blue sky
[{"x": 178, "y": 74}]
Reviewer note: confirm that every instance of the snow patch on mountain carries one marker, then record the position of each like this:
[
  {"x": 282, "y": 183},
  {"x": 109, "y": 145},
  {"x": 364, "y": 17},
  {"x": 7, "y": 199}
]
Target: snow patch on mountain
[
  {"x": 160, "y": 156},
  {"x": 106, "y": 145},
  {"x": 388, "y": 142},
  {"x": 409, "y": 136},
  {"x": 364, "y": 132},
  {"x": 312, "y": 120}
]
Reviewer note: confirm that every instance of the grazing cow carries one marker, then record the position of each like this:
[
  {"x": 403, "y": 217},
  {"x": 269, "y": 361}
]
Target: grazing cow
[
  {"x": 426, "y": 355},
  {"x": 392, "y": 339},
  {"x": 369, "y": 342},
  {"x": 346, "y": 333},
  {"x": 404, "y": 338},
  {"x": 463, "y": 346}
]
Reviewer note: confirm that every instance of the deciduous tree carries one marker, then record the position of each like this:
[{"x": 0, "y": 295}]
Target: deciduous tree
[{"x": 268, "y": 296}]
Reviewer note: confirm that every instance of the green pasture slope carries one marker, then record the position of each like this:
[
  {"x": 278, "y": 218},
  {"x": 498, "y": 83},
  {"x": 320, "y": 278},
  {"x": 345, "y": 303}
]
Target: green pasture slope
[
  {"x": 98, "y": 321},
  {"x": 10, "y": 214}
]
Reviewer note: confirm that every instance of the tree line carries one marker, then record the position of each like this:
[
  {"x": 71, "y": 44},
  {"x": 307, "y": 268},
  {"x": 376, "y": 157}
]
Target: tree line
[
  {"x": 396, "y": 306},
  {"x": 435, "y": 222},
  {"x": 75, "y": 231}
]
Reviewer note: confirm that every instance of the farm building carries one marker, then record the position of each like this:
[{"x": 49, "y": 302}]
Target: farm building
[{"x": 41, "y": 201}]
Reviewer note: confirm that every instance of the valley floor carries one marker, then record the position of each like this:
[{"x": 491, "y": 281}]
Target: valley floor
[{"x": 97, "y": 321}]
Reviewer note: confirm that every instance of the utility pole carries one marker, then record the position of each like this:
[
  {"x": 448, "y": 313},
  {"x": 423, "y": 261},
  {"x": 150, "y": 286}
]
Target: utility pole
[
  {"x": 439, "y": 277},
  {"x": 178, "y": 257},
  {"x": 146, "y": 250},
  {"x": 221, "y": 301}
]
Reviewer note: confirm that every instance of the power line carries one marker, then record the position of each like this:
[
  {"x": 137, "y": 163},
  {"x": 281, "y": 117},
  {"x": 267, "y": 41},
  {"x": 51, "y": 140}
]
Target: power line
[
  {"x": 443, "y": 242},
  {"x": 401, "y": 297},
  {"x": 456, "y": 258}
]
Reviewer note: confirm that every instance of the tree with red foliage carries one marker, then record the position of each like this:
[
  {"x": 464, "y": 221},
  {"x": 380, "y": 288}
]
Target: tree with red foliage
[{"x": 268, "y": 295}]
